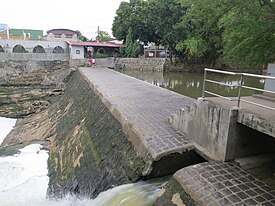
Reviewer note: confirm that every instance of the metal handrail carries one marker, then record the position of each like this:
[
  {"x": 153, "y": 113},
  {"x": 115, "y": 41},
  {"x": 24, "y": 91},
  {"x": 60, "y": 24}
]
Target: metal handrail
[{"x": 240, "y": 86}]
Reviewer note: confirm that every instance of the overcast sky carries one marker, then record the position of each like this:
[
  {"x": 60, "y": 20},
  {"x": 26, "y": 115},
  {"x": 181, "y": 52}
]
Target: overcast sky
[{"x": 82, "y": 15}]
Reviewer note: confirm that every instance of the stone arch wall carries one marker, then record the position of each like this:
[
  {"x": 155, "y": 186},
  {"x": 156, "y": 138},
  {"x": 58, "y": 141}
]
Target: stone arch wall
[
  {"x": 38, "y": 49},
  {"x": 19, "y": 49},
  {"x": 58, "y": 50}
]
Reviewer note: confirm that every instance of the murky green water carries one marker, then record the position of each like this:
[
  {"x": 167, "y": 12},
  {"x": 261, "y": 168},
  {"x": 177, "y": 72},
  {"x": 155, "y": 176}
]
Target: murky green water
[{"x": 191, "y": 84}]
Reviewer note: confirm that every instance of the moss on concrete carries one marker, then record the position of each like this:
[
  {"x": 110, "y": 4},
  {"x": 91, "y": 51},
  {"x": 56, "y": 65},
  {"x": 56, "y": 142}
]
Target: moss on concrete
[
  {"x": 174, "y": 195},
  {"x": 89, "y": 152}
]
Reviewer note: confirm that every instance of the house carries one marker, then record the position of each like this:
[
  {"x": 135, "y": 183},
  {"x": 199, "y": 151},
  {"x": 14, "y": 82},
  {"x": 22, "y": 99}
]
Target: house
[
  {"x": 81, "y": 50},
  {"x": 62, "y": 35}
]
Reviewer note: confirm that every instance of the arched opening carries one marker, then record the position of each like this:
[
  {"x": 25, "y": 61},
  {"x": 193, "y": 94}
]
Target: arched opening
[
  {"x": 38, "y": 49},
  {"x": 101, "y": 51},
  {"x": 58, "y": 50},
  {"x": 1, "y": 49},
  {"x": 19, "y": 49}
]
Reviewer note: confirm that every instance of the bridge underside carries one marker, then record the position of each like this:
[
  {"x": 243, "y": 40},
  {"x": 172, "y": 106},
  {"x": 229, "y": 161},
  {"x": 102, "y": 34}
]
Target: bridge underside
[
  {"x": 224, "y": 132},
  {"x": 253, "y": 116}
]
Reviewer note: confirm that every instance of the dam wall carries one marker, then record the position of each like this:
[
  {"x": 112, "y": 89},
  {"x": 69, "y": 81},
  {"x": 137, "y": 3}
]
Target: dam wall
[
  {"x": 102, "y": 137},
  {"x": 89, "y": 152}
]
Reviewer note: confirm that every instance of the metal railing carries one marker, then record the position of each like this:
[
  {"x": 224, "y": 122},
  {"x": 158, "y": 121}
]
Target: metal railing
[{"x": 240, "y": 86}]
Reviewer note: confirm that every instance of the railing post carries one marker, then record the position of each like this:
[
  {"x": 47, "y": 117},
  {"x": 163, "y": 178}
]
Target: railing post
[
  {"x": 240, "y": 91},
  {"x": 203, "y": 86}
]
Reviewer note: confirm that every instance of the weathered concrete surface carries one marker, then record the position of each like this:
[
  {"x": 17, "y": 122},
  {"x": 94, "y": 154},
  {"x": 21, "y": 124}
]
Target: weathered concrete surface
[
  {"x": 90, "y": 147},
  {"x": 89, "y": 152},
  {"x": 221, "y": 131},
  {"x": 209, "y": 125},
  {"x": 115, "y": 132},
  {"x": 215, "y": 184},
  {"x": 253, "y": 116},
  {"x": 143, "y": 111},
  {"x": 269, "y": 83}
]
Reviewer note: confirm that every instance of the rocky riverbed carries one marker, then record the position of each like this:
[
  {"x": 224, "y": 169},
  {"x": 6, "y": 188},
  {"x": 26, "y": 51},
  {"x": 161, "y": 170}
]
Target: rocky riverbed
[{"x": 27, "y": 89}]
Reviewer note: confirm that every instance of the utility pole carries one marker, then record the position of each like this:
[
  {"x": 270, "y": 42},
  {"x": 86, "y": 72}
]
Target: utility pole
[{"x": 98, "y": 33}]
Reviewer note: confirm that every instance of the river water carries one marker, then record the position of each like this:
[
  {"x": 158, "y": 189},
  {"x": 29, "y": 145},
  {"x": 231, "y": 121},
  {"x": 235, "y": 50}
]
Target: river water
[
  {"x": 24, "y": 180},
  {"x": 190, "y": 84}
]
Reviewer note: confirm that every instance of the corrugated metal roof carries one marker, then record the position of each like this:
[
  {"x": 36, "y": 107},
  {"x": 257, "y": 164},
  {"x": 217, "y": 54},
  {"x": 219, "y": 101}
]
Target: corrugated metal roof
[{"x": 94, "y": 44}]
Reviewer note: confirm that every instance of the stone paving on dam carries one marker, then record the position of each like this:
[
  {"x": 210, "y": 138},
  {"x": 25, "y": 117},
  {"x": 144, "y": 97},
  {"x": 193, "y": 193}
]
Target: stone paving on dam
[
  {"x": 142, "y": 109},
  {"x": 220, "y": 184}
]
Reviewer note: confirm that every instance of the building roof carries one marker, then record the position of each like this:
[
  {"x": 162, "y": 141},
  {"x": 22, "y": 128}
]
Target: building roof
[
  {"x": 61, "y": 31},
  {"x": 94, "y": 44}
]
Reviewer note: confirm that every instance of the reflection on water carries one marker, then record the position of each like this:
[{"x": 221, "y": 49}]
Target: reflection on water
[{"x": 191, "y": 84}]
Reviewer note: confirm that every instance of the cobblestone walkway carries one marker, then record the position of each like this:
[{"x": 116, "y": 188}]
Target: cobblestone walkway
[
  {"x": 143, "y": 108},
  {"x": 222, "y": 184}
]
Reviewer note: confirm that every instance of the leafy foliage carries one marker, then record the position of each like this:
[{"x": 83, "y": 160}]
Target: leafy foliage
[
  {"x": 249, "y": 34},
  {"x": 103, "y": 36},
  {"x": 166, "y": 14},
  {"x": 100, "y": 56},
  {"x": 194, "y": 47},
  {"x": 131, "y": 15},
  {"x": 204, "y": 39},
  {"x": 240, "y": 32},
  {"x": 132, "y": 46},
  {"x": 81, "y": 37},
  {"x": 150, "y": 21}
]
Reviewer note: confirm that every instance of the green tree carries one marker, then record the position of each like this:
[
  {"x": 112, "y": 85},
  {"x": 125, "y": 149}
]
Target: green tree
[
  {"x": 165, "y": 15},
  {"x": 249, "y": 33},
  {"x": 81, "y": 37},
  {"x": 204, "y": 36},
  {"x": 103, "y": 36},
  {"x": 240, "y": 32},
  {"x": 132, "y": 45},
  {"x": 150, "y": 21},
  {"x": 130, "y": 15}
]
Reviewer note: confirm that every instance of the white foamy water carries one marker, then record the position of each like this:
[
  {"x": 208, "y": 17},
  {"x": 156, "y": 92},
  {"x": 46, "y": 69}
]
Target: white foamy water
[
  {"x": 24, "y": 180},
  {"x": 6, "y": 126},
  {"x": 23, "y": 177}
]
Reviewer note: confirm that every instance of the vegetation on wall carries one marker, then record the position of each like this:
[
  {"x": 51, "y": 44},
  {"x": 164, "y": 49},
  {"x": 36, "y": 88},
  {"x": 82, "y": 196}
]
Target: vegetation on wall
[{"x": 241, "y": 33}]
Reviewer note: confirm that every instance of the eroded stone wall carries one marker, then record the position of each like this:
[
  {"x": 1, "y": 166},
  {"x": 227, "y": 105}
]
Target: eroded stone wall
[
  {"x": 140, "y": 64},
  {"x": 26, "y": 87}
]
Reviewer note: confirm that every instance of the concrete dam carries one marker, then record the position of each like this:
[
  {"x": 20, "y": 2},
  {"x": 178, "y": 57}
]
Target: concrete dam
[
  {"x": 108, "y": 135},
  {"x": 108, "y": 129}
]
